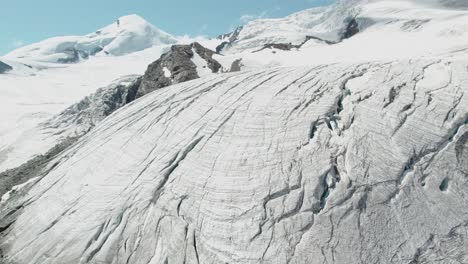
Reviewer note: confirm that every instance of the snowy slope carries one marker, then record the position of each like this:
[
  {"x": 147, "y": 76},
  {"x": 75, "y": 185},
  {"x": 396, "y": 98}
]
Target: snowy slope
[
  {"x": 128, "y": 34},
  {"x": 300, "y": 165},
  {"x": 28, "y": 100},
  {"x": 324, "y": 22},
  {"x": 388, "y": 30},
  {"x": 353, "y": 152}
]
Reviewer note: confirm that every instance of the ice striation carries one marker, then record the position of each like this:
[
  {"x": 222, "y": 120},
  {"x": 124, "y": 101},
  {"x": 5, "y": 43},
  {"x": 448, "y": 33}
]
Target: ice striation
[
  {"x": 344, "y": 163},
  {"x": 312, "y": 149}
]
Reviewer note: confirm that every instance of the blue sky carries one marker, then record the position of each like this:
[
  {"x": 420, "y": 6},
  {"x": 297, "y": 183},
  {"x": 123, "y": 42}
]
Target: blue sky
[{"x": 27, "y": 21}]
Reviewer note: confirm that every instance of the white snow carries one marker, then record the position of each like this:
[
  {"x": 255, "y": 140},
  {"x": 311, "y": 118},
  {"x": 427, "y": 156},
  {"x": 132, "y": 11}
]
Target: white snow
[
  {"x": 323, "y": 22},
  {"x": 392, "y": 30},
  {"x": 131, "y": 34},
  {"x": 167, "y": 72},
  {"x": 202, "y": 65}
]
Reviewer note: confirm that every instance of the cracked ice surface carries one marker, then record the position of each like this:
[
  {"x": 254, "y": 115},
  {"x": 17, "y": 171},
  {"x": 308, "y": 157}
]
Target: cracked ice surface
[{"x": 358, "y": 163}]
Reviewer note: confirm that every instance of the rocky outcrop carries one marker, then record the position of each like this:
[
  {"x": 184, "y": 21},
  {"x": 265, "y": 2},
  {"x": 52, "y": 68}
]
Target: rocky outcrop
[
  {"x": 279, "y": 46},
  {"x": 289, "y": 46},
  {"x": 236, "y": 66},
  {"x": 318, "y": 39},
  {"x": 36, "y": 167},
  {"x": 176, "y": 66},
  {"x": 5, "y": 67},
  {"x": 207, "y": 55},
  {"x": 351, "y": 28},
  {"x": 173, "y": 67},
  {"x": 342, "y": 163},
  {"x": 228, "y": 39}
]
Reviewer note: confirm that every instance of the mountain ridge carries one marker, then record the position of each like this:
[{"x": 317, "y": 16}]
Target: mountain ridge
[{"x": 128, "y": 34}]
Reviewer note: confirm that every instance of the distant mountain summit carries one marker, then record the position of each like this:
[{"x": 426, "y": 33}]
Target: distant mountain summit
[{"x": 128, "y": 34}]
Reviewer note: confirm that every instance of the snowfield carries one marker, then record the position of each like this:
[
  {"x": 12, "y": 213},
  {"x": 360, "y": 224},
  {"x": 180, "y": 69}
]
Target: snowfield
[
  {"x": 339, "y": 150},
  {"x": 29, "y": 100}
]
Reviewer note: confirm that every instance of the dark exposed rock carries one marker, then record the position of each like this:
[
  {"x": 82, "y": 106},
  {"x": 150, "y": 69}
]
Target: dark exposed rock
[
  {"x": 177, "y": 61},
  {"x": 280, "y": 46},
  {"x": 33, "y": 168},
  {"x": 75, "y": 55},
  {"x": 289, "y": 46},
  {"x": 236, "y": 65},
  {"x": 351, "y": 29},
  {"x": 178, "y": 64},
  {"x": 5, "y": 67},
  {"x": 319, "y": 39},
  {"x": 230, "y": 38}
]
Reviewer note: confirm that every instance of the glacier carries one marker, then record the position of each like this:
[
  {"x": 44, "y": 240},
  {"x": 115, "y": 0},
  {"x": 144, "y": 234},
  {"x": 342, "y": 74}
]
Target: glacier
[{"x": 352, "y": 151}]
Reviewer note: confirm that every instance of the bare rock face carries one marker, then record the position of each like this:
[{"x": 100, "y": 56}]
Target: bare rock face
[
  {"x": 5, "y": 67},
  {"x": 176, "y": 66},
  {"x": 236, "y": 66},
  {"x": 207, "y": 55},
  {"x": 228, "y": 38},
  {"x": 345, "y": 163},
  {"x": 351, "y": 28}
]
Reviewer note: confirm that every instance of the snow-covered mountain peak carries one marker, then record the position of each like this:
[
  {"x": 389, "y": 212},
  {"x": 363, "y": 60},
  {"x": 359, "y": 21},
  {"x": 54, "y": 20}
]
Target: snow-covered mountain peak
[
  {"x": 379, "y": 23},
  {"x": 133, "y": 19},
  {"x": 127, "y": 34}
]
